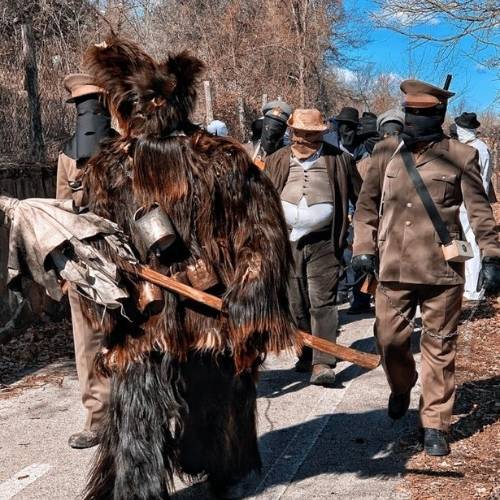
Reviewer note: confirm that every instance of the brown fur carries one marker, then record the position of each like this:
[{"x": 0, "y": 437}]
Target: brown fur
[{"x": 186, "y": 373}]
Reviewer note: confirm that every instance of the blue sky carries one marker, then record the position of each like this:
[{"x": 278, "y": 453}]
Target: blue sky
[{"x": 391, "y": 52}]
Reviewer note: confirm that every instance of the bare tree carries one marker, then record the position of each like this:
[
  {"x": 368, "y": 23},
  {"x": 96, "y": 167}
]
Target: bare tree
[{"x": 475, "y": 20}]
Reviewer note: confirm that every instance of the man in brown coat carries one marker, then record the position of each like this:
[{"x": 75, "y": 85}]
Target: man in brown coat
[
  {"x": 391, "y": 225},
  {"x": 93, "y": 124},
  {"x": 315, "y": 181}
]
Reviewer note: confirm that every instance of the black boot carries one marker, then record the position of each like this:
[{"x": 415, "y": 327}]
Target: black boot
[
  {"x": 435, "y": 443},
  {"x": 399, "y": 403}
]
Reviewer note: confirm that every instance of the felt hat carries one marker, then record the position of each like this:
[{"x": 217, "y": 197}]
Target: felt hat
[
  {"x": 348, "y": 114},
  {"x": 279, "y": 110},
  {"x": 368, "y": 124},
  {"x": 80, "y": 84},
  {"x": 310, "y": 120},
  {"x": 420, "y": 94},
  {"x": 391, "y": 115},
  {"x": 468, "y": 120}
]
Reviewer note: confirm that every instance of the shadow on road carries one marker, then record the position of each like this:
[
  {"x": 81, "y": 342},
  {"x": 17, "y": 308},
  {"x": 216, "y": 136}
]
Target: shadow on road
[{"x": 367, "y": 444}]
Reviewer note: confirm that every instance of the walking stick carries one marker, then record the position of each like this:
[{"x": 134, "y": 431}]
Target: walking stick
[{"x": 363, "y": 359}]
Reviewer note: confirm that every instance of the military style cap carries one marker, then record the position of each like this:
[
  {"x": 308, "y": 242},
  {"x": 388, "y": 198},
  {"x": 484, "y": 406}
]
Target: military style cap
[
  {"x": 423, "y": 95},
  {"x": 80, "y": 84},
  {"x": 392, "y": 115},
  {"x": 279, "y": 110}
]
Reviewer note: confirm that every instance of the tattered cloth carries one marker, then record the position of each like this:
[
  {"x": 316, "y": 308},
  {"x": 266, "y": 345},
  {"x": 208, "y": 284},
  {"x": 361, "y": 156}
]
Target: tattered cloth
[{"x": 48, "y": 241}]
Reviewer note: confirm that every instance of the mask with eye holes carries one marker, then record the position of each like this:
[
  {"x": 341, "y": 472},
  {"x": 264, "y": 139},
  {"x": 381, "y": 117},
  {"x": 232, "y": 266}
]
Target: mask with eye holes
[{"x": 93, "y": 124}]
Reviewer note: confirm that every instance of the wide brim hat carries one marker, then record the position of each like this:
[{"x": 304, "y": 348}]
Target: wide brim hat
[
  {"x": 468, "y": 120},
  {"x": 80, "y": 84},
  {"x": 348, "y": 114},
  {"x": 420, "y": 94},
  {"x": 309, "y": 120}
]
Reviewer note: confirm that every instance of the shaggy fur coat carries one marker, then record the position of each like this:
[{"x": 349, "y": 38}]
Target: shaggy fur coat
[{"x": 183, "y": 381}]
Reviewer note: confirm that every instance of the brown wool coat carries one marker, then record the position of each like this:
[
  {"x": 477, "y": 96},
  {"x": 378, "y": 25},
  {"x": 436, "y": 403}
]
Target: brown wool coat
[
  {"x": 403, "y": 235},
  {"x": 344, "y": 179}
]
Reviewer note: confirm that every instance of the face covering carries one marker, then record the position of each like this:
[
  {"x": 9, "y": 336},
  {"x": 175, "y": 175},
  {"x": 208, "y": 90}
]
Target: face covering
[
  {"x": 423, "y": 124},
  {"x": 305, "y": 143},
  {"x": 465, "y": 135},
  {"x": 389, "y": 129},
  {"x": 272, "y": 134},
  {"x": 93, "y": 124},
  {"x": 347, "y": 133}
]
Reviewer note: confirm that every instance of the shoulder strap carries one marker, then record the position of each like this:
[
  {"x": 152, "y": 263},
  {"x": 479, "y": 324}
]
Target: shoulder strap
[{"x": 422, "y": 191}]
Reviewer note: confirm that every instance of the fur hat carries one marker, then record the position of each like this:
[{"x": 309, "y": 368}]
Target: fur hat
[{"x": 146, "y": 96}]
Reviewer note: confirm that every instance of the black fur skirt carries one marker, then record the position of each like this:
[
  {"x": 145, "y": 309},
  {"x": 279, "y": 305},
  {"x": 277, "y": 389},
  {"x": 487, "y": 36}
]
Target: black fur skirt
[{"x": 195, "y": 418}]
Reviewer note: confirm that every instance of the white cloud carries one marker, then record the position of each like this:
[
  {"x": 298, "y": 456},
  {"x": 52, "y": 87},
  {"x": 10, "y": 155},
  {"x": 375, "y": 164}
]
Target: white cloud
[{"x": 345, "y": 75}]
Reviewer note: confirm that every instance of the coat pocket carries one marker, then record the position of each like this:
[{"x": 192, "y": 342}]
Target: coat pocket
[{"x": 442, "y": 187}]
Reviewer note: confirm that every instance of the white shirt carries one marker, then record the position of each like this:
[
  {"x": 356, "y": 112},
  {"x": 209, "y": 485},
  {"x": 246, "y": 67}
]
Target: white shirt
[{"x": 302, "y": 218}]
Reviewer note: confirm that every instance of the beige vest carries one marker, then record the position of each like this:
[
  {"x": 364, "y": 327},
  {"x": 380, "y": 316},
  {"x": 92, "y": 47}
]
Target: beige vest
[{"x": 312, "y": 183}]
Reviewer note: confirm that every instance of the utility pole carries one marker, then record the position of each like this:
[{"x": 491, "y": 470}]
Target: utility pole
[{"x": 31, "y": 87}]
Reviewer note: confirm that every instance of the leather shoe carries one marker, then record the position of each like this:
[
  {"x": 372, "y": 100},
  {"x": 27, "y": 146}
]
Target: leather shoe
[
  {"x": 84, "y": 439},
  {"x": 435, "y": 443},
  {"x": 322, "y": 374},
  {"x": 399, "y": 403}
]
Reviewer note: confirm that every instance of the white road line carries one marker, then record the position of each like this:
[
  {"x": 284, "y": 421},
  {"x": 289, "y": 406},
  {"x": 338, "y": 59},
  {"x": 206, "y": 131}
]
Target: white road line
[
  {"x": 293, "y": 456},
  {"x": 21, "y": 479}
]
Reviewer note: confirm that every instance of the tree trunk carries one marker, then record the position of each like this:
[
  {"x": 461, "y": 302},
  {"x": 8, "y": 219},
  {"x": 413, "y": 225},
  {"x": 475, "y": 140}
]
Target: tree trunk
[{"x": 31, "y": 86}]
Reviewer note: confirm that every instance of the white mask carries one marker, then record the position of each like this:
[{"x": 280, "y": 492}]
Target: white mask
[{"x": 465, "y": 134}]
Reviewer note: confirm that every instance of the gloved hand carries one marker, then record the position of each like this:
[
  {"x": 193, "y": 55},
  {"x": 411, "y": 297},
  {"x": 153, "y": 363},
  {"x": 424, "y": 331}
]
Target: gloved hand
[
  {"x": 489, "y": 277},
  {"x": 365, "y": 264}
]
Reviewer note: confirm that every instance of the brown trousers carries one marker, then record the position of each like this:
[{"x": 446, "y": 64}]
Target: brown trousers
[
  {"x": 94, "y": 389},
  {"x": 440, "y": 307},
  {"x": 312, "y": 291}
]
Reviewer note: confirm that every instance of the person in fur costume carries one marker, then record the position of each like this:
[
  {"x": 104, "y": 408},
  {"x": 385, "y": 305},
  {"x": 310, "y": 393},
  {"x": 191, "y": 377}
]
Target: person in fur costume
[{"x": 183, "y": 395}]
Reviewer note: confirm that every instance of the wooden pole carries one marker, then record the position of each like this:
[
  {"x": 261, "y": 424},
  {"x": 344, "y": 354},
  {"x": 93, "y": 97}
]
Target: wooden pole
[
  {"x": 364, "y": 359},
  {"x": 241, "y": 117},
  {"x": 31, "y": 86},
  {"x": 209, "y": 114}
]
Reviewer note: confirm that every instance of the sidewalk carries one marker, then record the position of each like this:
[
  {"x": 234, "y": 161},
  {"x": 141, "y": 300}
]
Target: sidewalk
[{"x": 315, "y": 442}]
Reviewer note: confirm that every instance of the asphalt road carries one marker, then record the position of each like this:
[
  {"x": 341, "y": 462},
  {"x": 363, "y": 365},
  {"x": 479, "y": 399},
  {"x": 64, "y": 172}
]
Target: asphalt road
[{"x": 315, "y": 442}]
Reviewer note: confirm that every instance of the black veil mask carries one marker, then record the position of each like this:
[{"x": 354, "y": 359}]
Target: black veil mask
[
  {"x": 347, "y": 134},
  {"x": 93, "y": 124},
  {"x": 423, "y": 124},
  {"x": 273, "y": 131}
]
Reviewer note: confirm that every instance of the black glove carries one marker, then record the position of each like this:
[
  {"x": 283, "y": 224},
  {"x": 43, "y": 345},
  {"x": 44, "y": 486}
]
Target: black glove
[
  {"x": 364, "y": 264},
  {"x": 489, "y": 277}
]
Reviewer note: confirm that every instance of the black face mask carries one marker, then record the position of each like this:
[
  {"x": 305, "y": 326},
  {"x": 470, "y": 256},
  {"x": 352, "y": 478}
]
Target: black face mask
[
  {"x": 272, "y": 134},
  {"x": 93, "y": 124},
  {"x": 347, "y": 134},
  {"x": 389, "y": 129},
  {"x": 423, "y": 124}
]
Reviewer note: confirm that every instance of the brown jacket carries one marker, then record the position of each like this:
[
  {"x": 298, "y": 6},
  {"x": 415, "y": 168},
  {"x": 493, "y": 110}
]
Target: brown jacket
[
  {"x": 69, "y": 178},
  {"x": 403, "y": 235},
  {"x": 344, "y": 180}
]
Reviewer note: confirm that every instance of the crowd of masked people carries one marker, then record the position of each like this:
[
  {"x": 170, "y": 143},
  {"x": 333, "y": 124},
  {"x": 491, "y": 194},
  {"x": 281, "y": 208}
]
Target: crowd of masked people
[
  {"x": 391, "y": 198},
  {"x": 354, "y": 211}
]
